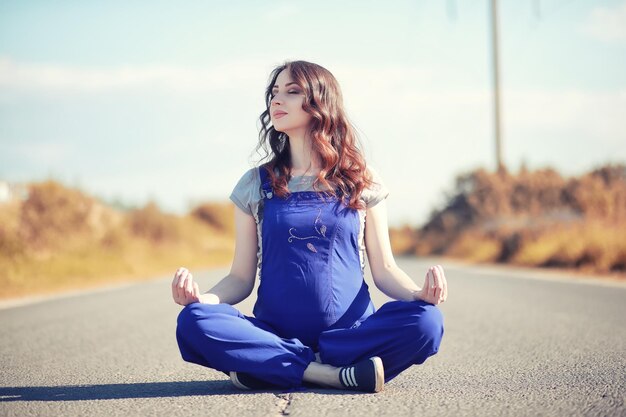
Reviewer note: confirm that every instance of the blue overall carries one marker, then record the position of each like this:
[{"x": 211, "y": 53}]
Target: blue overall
[{"x": 312, "y": 298}]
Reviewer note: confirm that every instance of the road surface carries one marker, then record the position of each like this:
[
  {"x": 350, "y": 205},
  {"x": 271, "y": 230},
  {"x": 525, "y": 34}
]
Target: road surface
[{"x": 517, "y": 342}]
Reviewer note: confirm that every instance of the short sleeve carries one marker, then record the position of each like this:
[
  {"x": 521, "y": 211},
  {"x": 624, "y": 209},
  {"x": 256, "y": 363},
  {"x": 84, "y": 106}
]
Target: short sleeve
[
  {"x": 375, "y": 193},
  {"x": 246, "y": 191}
]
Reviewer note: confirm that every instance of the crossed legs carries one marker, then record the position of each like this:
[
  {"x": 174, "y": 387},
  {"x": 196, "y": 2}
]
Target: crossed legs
[{"x": 220, "y": 337}]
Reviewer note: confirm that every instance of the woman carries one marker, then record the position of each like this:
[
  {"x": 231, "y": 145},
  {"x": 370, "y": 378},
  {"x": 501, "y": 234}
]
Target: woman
[{"x": 300, "y": 219}]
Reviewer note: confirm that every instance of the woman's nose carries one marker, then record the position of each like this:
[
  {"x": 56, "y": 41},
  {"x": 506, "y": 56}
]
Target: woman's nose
[{"x": 278, "y": 98}]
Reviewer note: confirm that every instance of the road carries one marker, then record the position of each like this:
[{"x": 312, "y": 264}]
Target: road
[{"x": 517, "y": 342}]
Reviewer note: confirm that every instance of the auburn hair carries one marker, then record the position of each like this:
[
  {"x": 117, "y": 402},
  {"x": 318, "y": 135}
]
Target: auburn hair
[{"x": 333, "y": 137}]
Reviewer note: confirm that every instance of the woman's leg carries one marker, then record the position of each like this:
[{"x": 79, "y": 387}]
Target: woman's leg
[
  {"x": 401, "y": 333},
  {"x": 220, "y": 337}
]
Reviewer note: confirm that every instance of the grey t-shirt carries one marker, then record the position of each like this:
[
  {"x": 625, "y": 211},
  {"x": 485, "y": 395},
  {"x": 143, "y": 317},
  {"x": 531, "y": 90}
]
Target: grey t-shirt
[{"x": 247, "y": 195}]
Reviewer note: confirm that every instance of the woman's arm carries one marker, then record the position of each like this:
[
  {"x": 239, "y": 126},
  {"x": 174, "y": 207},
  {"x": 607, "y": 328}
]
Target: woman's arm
[
  {"x": 388, "y": 277},
  {"x": 235, "y": 286},
  {"x": 238, "y": 284}
]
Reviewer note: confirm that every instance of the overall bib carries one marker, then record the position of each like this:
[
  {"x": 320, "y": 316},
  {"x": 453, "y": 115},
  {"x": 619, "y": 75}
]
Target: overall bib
[
  {"x": 312, "y": 297},
  {"x": 310, "y": 278}
]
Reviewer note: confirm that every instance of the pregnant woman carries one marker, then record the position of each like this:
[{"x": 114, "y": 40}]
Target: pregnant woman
[{"x": 305, "y": 220}]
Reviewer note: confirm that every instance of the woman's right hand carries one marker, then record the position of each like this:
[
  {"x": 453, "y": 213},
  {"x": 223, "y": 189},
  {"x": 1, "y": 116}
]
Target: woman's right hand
[{"x": 184, "y": 289}]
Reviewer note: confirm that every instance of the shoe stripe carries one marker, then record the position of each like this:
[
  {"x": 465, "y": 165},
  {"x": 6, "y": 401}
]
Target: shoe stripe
[
  {"x": 351, "y": 374},
  {"x": 342, "y": 377},
  {"x": 348, "y": 376},
  {"x": 345, "y": 377}
]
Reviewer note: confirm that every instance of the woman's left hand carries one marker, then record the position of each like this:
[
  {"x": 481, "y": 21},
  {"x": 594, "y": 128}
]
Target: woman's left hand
[{"x": 435, "y": 288}]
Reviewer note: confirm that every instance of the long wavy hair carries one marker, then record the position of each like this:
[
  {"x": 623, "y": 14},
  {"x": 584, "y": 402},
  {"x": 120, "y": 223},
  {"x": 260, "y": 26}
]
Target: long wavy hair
[{"x": 333, "y": 137}]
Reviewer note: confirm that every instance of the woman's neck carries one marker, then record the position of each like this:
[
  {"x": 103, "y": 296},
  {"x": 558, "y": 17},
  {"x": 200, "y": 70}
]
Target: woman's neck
[{"x": 304, "y": 161}]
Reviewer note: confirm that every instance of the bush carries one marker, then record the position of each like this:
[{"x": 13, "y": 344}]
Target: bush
[
  {"x": 218, "y": 215},
  {"x": 532, "y": 218},
  {"x": 151, "y": 224},
  {"x": 53, "y": 214},
  {"x": 60, "y": 238}
]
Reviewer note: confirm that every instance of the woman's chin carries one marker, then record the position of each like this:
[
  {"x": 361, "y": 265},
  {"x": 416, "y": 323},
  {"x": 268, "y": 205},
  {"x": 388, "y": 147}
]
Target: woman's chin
[{"x": 282, "y": 130}]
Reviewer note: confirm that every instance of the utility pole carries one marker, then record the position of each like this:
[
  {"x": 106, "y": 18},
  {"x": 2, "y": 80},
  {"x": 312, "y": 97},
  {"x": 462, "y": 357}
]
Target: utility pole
[{"x": 496, "y": 84}]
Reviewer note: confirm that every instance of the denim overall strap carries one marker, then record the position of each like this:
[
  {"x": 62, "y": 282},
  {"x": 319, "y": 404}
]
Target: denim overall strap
[{"x": 266, "y": 183}]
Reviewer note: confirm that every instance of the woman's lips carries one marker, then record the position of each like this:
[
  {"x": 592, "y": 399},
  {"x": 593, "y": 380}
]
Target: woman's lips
[{"x": 279, "y": 115}]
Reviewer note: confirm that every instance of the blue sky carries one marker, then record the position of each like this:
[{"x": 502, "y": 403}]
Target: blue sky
[{"x": 159, "y": 100}]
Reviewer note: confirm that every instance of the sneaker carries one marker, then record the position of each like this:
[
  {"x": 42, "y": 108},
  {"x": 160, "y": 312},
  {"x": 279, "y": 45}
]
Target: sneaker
[
  {"x": 367, "y": 375},
  {"x": 248, "y": 382}
]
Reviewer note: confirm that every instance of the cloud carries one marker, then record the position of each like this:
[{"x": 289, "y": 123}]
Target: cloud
[
  {"x": 595, "y": 115},
  {"x": 43, "y": 77},
  {"x": 404, "y": 96},
  {"x": 607, "y": 24},
  {"x": 67, "y": 78}
]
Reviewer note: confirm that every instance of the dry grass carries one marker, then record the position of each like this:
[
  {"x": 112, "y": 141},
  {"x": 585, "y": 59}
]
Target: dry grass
[
  {"x": 593, "y": 246},
  {"x": 532, "y": 218},
  {"x": 476, "y": 248},
  {"x": 60, "y": 238}
]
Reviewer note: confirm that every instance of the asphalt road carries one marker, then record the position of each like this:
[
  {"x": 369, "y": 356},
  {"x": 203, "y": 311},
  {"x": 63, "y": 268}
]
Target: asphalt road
[{"x": 516, "y": 342}]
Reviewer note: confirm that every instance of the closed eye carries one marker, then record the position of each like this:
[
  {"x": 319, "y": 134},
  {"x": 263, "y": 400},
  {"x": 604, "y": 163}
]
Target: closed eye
[{"x": 289, "y": 92}]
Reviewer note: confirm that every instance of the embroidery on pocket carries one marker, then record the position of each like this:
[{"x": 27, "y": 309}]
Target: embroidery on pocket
[{"x": 321, "y": 231}]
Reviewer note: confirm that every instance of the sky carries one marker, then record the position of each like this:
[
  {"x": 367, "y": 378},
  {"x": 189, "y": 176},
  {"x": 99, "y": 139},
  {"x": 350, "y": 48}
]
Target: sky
[{"x": 133, "y": 101}]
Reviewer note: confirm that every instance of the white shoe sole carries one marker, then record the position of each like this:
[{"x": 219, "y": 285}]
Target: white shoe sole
[
  {"x": 236, "y": 382},
  {"x": 380, "y": 373}
]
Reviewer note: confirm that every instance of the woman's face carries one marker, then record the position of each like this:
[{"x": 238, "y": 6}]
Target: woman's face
[{"x": 286, "y": 110}]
